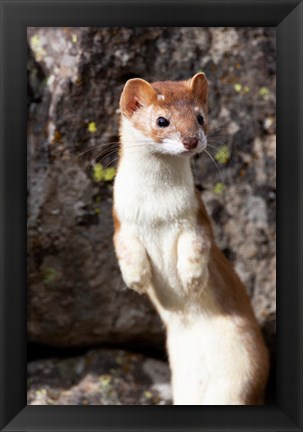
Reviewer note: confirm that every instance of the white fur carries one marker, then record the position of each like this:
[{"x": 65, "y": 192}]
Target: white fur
[
  {"x": 208, "y": 362},
  {"x": 152, "y": 188}
]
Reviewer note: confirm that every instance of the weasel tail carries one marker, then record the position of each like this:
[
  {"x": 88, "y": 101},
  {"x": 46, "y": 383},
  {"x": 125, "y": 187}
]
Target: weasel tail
[{"x": 165, "y": 247}]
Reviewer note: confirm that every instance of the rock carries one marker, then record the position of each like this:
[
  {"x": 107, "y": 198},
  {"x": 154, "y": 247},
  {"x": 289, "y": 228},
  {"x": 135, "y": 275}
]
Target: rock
[
  {"x": 101, "y": 377},
  {"x": 75, "y": 293}
]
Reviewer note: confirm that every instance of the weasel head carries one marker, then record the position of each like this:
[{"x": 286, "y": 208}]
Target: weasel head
[{"x": 168, "y": 117}]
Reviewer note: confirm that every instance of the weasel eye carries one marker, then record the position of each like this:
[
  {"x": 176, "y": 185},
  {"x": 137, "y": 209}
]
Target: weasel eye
[
  {"x": 200, "y": 119},
  {"x": 162, "y": 122}
]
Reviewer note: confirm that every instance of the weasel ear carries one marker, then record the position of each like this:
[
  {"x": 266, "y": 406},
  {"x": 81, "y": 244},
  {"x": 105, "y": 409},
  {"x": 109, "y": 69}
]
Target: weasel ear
[
  {"x": 198, "y": 85},
  {"x": 136, "y": 94}
]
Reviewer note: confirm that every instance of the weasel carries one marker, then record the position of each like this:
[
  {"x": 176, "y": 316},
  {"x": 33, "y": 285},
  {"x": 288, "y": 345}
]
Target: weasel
[{"x": 165, "y": 247}]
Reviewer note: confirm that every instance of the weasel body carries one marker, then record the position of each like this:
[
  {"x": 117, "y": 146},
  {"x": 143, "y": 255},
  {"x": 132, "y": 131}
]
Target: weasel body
[{"x": 165, "y": 247}]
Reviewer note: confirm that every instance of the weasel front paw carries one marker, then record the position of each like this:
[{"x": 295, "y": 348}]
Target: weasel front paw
[
  {"x": 194, "y": 276},
  {"x": 192, "y": 265},
  {"x": 138, "y": 279},
  {"x": 133, "y": 261}
]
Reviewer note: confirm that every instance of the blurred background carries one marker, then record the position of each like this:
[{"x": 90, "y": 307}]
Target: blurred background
[{"x": 91, "y": 340}]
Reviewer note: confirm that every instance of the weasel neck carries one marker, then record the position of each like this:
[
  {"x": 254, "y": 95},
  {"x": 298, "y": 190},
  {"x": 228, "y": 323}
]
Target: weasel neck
[
  {"x": 157, "y": 169},
  {"x": 152, "y": 186}
]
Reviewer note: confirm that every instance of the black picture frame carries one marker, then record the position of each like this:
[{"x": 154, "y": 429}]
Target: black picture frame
[{"x": 287, "y": 17}]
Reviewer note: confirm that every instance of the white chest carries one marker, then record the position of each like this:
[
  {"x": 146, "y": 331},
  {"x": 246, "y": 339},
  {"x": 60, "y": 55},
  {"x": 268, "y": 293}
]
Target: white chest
[
  {"x": 150, "y": 191},
  {"x": 154, "y": 201}
]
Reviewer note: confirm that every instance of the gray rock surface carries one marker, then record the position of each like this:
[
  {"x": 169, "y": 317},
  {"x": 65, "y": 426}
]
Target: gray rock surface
[
  {"x": 100, "y": 377},
  {"x": 75, "y": 293}
]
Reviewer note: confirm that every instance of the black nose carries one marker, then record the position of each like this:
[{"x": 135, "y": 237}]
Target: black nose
[{"x": 190, "y": 143}]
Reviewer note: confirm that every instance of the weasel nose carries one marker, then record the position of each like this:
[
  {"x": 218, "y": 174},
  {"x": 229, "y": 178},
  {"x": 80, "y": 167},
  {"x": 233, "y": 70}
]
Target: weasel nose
[{"x": 190, "y": 143}]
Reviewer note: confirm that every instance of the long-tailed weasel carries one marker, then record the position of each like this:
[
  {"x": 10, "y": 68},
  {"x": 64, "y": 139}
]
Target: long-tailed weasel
[{"x": 165, "y": 246}]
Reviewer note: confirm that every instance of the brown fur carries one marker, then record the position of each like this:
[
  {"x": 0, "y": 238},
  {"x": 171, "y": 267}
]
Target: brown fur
[{"x": 116, "y": 220}]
